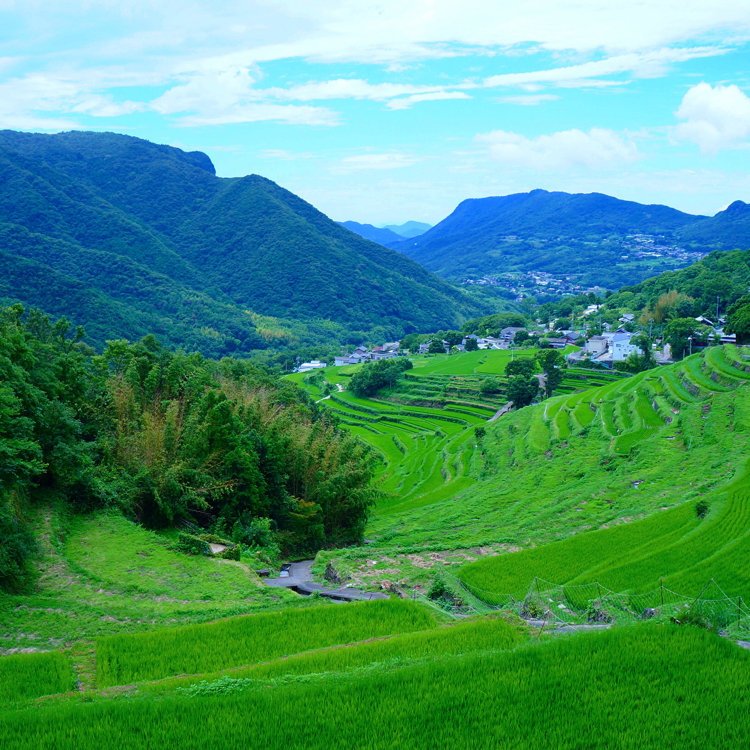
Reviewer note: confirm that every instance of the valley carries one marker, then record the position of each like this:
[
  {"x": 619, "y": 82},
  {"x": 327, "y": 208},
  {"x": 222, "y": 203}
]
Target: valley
[{"x": 546, "y": 531}]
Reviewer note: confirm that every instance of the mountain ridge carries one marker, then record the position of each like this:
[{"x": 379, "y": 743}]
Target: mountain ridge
[
  {"x": 209, "y": 252},
  {"x": 554, "y": 232}
]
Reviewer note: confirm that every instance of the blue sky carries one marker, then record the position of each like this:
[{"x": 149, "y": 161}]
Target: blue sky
[{"x": 386, "y": 111}]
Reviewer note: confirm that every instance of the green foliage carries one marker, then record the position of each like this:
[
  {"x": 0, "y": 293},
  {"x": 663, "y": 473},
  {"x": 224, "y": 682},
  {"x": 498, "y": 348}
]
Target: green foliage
[
  {"x": 490, "y": 385},
  {"x": 521, "y": 366},
  {"x": 678, "y": 333},
  {"x": 471, "y": 345},
  {"x": 436, "y": 346},
  {"x": 375, "y": 376},
  {"x": 168, "y": 437},
  {"x": 522, "y": 390},
  {"x": 551, "y": 362},
  {"x": 722, "y": 276},
  {"x": 490, "y": 325},
  {"x": 738, "y": 319},
  {"x": 17, "y": 547},
  {"x": 191, "y": 544}
]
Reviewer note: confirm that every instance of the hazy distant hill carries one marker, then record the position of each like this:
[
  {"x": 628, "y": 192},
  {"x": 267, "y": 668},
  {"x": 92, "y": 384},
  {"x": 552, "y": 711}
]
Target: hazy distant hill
[
  {"x": 409, "y": 229},
  {"x": 389, "y": 235},
  {"x": 138, "y": 237},
  {"x": 594, "y": 238}
]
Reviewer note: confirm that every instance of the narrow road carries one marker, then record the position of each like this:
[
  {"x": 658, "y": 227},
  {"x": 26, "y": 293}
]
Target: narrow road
[{"x": 300, "y": 579}]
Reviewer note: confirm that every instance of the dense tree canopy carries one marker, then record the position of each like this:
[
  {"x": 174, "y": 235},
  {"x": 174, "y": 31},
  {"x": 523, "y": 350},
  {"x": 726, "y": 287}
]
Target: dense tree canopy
[{"x": 167, "y": 437}]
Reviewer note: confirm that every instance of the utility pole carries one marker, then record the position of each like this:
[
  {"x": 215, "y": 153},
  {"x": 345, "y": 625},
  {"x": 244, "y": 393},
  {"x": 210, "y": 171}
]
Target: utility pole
[{"x": 690, "y": 341}]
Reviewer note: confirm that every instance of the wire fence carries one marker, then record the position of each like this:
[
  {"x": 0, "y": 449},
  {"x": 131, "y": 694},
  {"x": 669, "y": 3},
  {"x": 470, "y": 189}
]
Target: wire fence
[{"x": 592, "y": 603}]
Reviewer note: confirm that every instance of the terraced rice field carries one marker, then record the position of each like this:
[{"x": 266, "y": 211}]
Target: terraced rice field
[
  {"x": 424, "y": 429},
  {"x": 476, "y": 684},
  {"x": 699, "y": 407}
]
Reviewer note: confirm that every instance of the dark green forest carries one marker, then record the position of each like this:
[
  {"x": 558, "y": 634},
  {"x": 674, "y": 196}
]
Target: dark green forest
[
  {"x": 137, "y": 238},
  {"x": 170, "y": 439}
]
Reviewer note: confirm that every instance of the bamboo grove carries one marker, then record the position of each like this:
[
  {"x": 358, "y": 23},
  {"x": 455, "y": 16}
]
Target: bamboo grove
[{"x": 169, "y": 438}]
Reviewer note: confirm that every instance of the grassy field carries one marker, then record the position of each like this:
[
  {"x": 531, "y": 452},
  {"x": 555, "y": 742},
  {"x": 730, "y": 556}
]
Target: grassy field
[
  {"x": 25, "y": 676},
  {"x": 101, "y": 574},
  {"x": 643, "y": 687},
  {"x": 123, "y": 659}
]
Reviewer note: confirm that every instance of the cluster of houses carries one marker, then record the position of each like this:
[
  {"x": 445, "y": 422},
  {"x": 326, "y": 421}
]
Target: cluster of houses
[
  {"x": 606, "y": 348},
  {"x": 617, "y": 345}
]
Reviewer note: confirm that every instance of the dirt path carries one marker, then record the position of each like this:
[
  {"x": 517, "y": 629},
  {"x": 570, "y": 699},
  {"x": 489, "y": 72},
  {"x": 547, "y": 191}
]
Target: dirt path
[
  {"x": 300, "y": 579},
  {"x": 499, "y": 413}
]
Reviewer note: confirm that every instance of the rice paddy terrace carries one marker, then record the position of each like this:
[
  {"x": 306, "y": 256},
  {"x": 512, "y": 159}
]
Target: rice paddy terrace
[
  {"x": 675, "y": 444},
  {"x": 424, "y": 429},
  {"x": 380, "y": 674}
]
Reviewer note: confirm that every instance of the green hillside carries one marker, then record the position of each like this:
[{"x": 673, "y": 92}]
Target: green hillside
[
  {"x": 593, "y": 238},
  {"x": 166, "y": 247},
  {"x": 678, "y": 437},
  {"x": 424, "y": 429}
]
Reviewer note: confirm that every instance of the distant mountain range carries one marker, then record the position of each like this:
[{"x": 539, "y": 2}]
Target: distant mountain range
[
  {"x": 388, "y": 235},
  {"x": 590, "y": 238},
  {"x": 128, "y": 237}
]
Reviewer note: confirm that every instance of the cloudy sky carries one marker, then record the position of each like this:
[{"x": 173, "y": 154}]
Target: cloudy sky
[{"x": 383, "y": 111}]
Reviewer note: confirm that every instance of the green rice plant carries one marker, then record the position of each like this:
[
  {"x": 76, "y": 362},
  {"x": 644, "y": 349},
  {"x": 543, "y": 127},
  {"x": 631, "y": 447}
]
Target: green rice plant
[
  {"x": 646, "y": 687},
  {"x": 561, "y": 425},
  {"x": 584, "y": 414},
  {"x": 33, "y": 675},
  {"x": 246, "y": 640},
  {"x": 580, "y": 558}
]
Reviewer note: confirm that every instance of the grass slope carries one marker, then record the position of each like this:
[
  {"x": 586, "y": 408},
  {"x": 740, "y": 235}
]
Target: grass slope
[{"x": 102, "y": 574}]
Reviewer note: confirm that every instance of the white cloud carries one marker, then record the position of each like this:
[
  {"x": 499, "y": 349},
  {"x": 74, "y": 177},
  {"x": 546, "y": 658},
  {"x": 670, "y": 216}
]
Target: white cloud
[
  {"x": 286, "y": 113},
  {"x": 715, "y": 117},
  {"x": 103, "y": 106},
  {"x": 346, "y": 88},
  {"x": 280, "y": 154},
  {"x": 567, "y": 148},
  {"x": 407, "y": 101},
  {"x": 642, "y": 65},
  {"x": 220, "y": 90}
]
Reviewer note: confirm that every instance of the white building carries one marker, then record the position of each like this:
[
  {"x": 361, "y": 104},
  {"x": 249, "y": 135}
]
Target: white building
[{"x": 312, "y": 365}]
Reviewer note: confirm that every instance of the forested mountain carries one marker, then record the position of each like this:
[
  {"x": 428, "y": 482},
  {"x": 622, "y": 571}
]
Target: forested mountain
[
  {"x": 128, "y": 237},
  {"x": 389, "y": 235},
  {"x": 592, "y": 238}
]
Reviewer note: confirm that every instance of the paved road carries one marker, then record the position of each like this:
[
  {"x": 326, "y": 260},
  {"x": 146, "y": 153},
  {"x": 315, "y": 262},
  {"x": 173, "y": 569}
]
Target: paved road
[{"x": 300, "y": 579}]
